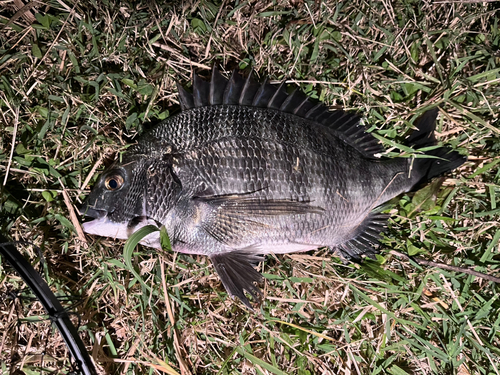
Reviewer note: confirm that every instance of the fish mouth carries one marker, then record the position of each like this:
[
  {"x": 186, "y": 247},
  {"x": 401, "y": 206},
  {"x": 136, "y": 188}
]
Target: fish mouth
[
  {"x": 89, "y": 212},
  {"x": 92, "y": 218},
  {"x": 101, "y": 224}
]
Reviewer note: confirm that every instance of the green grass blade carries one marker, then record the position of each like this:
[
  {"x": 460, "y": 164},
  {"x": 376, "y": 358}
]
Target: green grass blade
[{"x": 129, "y": 248}]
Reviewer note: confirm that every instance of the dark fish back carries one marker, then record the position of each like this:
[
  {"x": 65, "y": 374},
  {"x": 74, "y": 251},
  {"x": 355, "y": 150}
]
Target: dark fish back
[{"x": 241, "y": 99}]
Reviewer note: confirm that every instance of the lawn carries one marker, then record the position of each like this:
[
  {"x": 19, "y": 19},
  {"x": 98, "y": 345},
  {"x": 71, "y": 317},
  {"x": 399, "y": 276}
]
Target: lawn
[{"x": 81, "y": 80}]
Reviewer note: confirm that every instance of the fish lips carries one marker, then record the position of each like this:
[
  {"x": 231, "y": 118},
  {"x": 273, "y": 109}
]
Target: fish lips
[
  {"x": 102, "y": 225},
  {"x": 87, "y": 211}
]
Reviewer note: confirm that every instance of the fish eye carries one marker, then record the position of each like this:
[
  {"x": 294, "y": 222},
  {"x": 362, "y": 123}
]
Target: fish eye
[{"x": 113, "y": 182}]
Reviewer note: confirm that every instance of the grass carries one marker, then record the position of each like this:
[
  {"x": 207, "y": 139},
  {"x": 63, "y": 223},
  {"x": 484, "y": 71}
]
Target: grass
[{"x": 80, "y": 80}]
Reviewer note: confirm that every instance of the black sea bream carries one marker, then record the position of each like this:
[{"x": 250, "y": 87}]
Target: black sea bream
[{"x": 246, "y": 169}]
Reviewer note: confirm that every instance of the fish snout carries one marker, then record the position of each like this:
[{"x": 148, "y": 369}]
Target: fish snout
[{"x": 93, "y": 213}]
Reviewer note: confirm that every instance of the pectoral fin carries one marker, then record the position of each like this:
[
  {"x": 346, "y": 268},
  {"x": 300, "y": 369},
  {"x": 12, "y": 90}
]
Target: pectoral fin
[
  {"x": 251, "y": 206},
  {"x": 226, "y": 218},
  {"x": 237, "y": 274}
]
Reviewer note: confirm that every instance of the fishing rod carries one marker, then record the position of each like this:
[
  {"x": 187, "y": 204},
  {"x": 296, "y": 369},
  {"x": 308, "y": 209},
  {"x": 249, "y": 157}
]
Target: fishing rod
[{"x": 57, "y": 313}]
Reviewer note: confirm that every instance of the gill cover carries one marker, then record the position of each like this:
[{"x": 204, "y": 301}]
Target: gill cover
[{"x": 130, "y": 195}]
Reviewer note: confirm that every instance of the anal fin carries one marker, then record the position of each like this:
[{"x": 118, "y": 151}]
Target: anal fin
[
  {"x": 237, "y": 274},
  {"x": 364, "y": 241}
]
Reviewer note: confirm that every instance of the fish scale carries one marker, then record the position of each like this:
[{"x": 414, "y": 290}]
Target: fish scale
[
  {"x": 247, "y": 169},
  {"x": 191, "y": 131}
]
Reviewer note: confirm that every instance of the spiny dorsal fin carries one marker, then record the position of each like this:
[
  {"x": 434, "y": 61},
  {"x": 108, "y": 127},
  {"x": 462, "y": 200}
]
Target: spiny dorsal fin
[
  {"x": 263, "y": 95},
  {"x": 201, "y": 92},
  {"x": 185, "y": 98},
  {"x": 232, "y": 92},
  {"x": 217, "y": 86},
  {"x": 278, "y": 97},
  {"x": 248, "y": 92}
]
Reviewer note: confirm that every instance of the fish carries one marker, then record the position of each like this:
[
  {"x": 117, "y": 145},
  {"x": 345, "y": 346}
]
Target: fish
[{"x": 249, "y": 168}]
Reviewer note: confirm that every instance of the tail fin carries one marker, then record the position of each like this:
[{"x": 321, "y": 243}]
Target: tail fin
[{"x": 445, "y": 158}]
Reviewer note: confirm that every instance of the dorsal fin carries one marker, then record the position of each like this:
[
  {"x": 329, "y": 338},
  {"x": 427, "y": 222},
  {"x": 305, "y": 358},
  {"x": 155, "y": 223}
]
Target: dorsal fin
[
  {"x": 233, "y": 89},
  {"x": 185, "y": 98},
  {"x": 217, "y": 86},
  {"x": 263, "y": 95},
  {"x": 248, "y": 92},
  {"x": 278, "y": 97},
  {"x": 201, "y": 92}
]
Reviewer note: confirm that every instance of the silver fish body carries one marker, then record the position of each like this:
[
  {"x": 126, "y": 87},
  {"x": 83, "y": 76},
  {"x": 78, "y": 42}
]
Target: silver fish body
[{"x": 247, "y": 169}]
